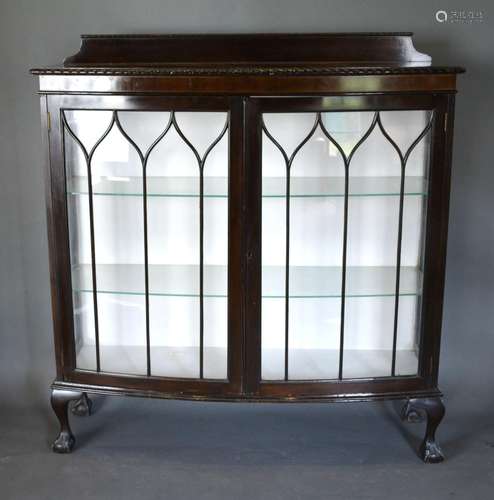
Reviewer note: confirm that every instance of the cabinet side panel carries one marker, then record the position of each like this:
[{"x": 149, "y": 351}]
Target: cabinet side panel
[
  {"x": 436, "y": 238},
  {"x": 58, "y": 238},
  {"x": 45, "y": 141}
]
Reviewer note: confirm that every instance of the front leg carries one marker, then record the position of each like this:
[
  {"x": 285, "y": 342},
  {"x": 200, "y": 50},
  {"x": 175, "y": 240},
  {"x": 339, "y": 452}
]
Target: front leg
[
  {"x": 429, "y": 450},
  {"x": 60, "y": 399}
]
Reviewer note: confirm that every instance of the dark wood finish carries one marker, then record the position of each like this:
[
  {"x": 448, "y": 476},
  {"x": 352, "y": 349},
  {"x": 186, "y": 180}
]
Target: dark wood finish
[
  {"x": 83, "y": 406},
  {"x": 60, "y": 399},
  {"x": 62, "y": 287},
  {"x": 142, "y": 50},
  {"x": 58, "y": 238},
  {"x": 436, "y": 233},
  {"x": 248, "y": 85},
  {"x": 373, "y": 392},
  {"x": 56, "y": 303},
  {"x": 236, "y": 223},
  {"x": 252, "y": 281},
  {"x": 249, "y": 64},
  {"x": 433, "y": 408},
  {"x": 247, "y": 75},
  {"x": 432, "y": 287}
]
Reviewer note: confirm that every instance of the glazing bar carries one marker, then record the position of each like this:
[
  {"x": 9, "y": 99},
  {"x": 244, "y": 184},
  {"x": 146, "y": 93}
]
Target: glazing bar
[
  {"x": 343, "y": 270},
  {"x": 146, "y": 263},
  {"x": 201, "y": 271},
  {"x": 398, "y": 268},
  {"x": 93, "y": 264},
  {"x": 287, "y": 267}
]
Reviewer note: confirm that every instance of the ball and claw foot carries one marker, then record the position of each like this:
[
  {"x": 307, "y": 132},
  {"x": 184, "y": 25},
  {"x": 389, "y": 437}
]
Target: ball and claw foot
[
  {"x": 430, "y": 452},
  {"x": 60, "y": 399},
  {"x": 433, "y": 410},
  {"x": 83, "y": 406},
  {"x": 64, "y": 443}
]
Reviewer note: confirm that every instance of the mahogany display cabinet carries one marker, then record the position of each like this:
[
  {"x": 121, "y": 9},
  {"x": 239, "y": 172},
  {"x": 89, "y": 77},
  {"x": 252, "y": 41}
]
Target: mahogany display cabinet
[{"x": 248, "y": 218}]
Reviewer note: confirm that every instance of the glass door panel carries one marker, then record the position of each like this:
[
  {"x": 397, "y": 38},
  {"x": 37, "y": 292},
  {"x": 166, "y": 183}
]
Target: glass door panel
[
  {"x": 147, "y": 196},
  {"x": 343, "y": 211}
]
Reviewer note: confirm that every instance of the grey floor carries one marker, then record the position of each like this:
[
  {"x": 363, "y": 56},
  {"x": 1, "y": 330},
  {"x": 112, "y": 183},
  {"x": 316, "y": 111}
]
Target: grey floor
[{"x": 136, "y": 448}]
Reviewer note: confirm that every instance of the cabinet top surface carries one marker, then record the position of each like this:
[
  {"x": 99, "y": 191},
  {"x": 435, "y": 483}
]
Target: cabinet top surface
[{"x": 248, "y": 54}]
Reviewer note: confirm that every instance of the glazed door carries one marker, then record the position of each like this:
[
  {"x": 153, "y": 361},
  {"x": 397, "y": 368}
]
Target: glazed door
[
  {"x": 150, "y": 201},
  {"x": 342, "y": 269}
]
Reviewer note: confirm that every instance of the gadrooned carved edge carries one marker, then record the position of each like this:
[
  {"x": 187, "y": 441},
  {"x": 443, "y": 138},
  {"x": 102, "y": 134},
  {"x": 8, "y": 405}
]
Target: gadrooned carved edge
[{"x": 248, "y": 71}]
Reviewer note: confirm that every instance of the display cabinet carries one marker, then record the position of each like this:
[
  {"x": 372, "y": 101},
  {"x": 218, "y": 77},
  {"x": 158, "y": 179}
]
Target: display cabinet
[{"x": 248, "y": 218}]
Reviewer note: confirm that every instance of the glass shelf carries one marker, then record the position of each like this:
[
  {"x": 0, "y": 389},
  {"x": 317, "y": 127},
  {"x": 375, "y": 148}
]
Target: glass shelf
[
  {"x": 325, "y": 281},
  {"x": 273, "y": 187},
  {"x": 186, "y": 187},
  {"x": 305, "y": 281},
  {"x": 320, "y": 187},
  {"x": 164, "y": 280}
]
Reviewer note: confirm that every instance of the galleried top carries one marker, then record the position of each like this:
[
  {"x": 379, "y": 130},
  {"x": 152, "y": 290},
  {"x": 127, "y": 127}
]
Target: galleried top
[{"x": 248, "y": 54}]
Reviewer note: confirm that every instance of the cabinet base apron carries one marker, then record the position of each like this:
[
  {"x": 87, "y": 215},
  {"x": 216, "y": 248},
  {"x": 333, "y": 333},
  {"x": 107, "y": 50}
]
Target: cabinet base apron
[{"x": 419, "y": 406}]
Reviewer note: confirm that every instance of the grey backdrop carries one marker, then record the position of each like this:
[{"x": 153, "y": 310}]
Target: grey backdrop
[{"x": 34, "y": 33}]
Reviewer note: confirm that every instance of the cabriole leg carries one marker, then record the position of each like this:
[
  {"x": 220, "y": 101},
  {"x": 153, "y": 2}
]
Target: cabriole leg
[
  {"x": 434, "y": 410},
  {"x": 83, "y": 406},
  {"x": 60, "y": 399}
]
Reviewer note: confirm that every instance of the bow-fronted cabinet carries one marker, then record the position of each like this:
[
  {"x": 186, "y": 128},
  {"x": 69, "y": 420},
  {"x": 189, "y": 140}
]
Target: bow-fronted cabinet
[{"x": 248, "y": 218}]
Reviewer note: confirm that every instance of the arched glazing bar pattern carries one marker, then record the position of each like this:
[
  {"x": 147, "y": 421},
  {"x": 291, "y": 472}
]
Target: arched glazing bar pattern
[
  {"x": 403, "y": 162},
  {"x": 288, "y": 164},
  {"x": 347, "y": 159},
  {"x": 143, "y": 158},
  {"x": 88, "y": 156}
]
